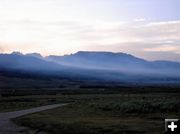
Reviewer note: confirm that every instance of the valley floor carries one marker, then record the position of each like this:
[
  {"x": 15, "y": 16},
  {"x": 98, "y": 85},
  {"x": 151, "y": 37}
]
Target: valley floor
[{"x": 99, "y": 113}]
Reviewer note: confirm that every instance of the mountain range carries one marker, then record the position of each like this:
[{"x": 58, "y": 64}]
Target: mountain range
[{"x": 91, "y": 64}]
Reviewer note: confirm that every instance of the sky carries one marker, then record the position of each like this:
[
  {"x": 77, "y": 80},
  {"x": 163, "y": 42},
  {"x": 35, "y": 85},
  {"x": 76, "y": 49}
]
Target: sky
[{"x": 147, "y": 29}]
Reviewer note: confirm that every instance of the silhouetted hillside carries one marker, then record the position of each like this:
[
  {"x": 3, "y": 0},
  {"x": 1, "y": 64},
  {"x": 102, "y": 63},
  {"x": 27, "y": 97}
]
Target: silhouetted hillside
[
  {"x": 85, "y": 65},
  {"x": 116, "y": 61},
  {"x": 24, "y": 62}
]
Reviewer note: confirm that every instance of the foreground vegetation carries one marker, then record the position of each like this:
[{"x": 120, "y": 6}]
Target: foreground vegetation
[
  {"x": 101, "y": 113},
  {"x": 13, "y": 103}
]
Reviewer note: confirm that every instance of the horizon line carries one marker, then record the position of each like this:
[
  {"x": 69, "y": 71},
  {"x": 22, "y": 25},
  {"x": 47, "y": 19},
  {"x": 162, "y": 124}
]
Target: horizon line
[{"x": 99, "y": 51}]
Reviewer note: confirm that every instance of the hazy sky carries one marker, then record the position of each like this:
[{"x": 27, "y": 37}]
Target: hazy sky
[{"x": 145, "y": 28}]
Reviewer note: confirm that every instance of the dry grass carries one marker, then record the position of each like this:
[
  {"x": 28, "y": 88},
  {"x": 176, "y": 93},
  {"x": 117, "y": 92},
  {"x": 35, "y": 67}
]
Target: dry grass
[{"x": 107, "y": 114}]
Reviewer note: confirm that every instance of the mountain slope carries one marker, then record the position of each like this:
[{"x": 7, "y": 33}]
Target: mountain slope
[
  {"x": 23, "y": 62},
  {"x": 115, "y": 61},
  {"x": 100, "y": 60},
  {"x": 95, "y": 65}
]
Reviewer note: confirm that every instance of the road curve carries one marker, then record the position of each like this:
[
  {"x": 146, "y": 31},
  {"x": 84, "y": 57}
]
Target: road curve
[{"x": 8, "y": 127}]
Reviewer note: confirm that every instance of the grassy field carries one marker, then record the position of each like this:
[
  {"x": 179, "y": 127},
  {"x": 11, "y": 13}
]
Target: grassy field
[
  {"x": 13, "y": 103},
  {"x": 118, "y": 113}
]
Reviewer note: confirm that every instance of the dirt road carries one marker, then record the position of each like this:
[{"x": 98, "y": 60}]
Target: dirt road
[{"x": 8, "y": 127}]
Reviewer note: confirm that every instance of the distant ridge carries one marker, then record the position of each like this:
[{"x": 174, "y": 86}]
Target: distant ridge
[
  {"x": 89, "y": 64},
  {"x": 101, "y": 60},
  {"x": 37, "y": 55},
  {"x": 111, "y": 61},
  {"x": 25, "y": 62}
]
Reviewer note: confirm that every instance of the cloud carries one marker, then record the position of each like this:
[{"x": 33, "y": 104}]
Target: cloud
[
  {"x": 165, "y": 23},
  {"x": 146, "y": 32},
  {"x": 139, "y": 19},
  {"x": 1, "y": 50},
  {"x": 164, "y": 48},
  {"x": 67, "y": 36}
]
